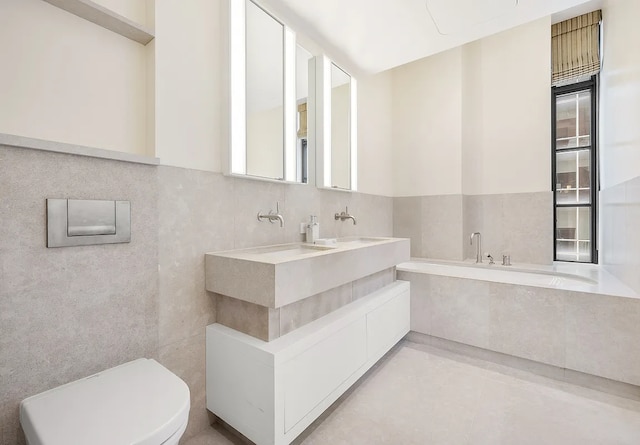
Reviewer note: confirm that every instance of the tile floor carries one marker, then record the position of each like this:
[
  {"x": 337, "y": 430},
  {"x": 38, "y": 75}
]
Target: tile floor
[{"x": 422, "y": 395}]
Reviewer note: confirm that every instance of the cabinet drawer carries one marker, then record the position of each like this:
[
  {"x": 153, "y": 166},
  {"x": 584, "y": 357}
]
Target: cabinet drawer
[
  {"x": 315, "y": 373},
  {"x": 386, "y": 323}
]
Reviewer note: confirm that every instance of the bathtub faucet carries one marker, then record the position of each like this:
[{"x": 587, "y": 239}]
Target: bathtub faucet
[{"x": 478, "y": 246}]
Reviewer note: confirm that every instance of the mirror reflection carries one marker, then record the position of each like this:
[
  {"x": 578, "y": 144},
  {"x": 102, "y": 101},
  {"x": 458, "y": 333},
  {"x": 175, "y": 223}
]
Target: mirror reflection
[
  {"x": 304, "y": 66},
  {"x": 340, "y": 128},
  {"x": 264, "y": 94}
]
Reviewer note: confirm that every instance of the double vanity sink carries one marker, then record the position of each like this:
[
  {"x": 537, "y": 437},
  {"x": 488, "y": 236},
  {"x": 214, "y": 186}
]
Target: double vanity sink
[
  {"x": 274, "y": 276},
  {"x": 297, "y": 325}
]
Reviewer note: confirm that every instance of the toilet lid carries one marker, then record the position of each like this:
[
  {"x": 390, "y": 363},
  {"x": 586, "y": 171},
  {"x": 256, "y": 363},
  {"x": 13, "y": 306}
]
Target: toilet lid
[{"x": 140, "y": 402}]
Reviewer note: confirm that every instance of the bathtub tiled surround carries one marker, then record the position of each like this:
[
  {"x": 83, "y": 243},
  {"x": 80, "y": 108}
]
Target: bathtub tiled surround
[
  {"x": 519, "y": 224},
  {"x": 591, "y": 333},
  {"x": 620, "y": 244},
  {"x": 67, "y": 313}
]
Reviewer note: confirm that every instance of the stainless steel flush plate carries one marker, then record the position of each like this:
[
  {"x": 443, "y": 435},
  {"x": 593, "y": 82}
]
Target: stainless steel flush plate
[{"x": 80, "y": 222}]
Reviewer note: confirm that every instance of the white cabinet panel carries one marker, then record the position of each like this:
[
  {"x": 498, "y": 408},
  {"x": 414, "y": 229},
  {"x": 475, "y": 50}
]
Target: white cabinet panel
[
  {"x": 385, "y": 323},
  {"x": 314, "y": 374}
]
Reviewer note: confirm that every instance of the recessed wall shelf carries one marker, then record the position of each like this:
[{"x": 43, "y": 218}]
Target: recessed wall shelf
[
  {"x": 106, "y": 18},
  {"x": 11, "y": 140}
]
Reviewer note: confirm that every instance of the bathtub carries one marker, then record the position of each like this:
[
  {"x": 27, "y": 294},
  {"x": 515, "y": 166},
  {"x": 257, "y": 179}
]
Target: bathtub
[
  {"x": 566, "y": 276},
  {"x": 573, "y": 317}
]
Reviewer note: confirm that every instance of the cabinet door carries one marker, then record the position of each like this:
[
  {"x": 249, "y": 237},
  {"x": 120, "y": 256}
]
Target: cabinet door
[
  {"x": 386, "y": 325},
  {"x": 315, "y": 373}
]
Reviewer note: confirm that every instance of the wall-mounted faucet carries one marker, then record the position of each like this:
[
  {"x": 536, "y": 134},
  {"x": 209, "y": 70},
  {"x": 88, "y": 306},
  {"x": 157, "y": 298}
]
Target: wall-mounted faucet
[
  {"x": 478, "y": 246},
  {"x": 272, "y": 216},
  {"x": 345, "y": 215}
]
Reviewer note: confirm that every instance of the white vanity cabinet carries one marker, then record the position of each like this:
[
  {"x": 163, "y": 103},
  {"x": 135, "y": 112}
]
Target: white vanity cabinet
[{"x": 271, "y": 391}]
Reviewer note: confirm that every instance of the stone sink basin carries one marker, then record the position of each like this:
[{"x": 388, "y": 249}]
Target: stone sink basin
[
  {"x": 287, "y": 251},
  {"x": 274, "y": 276},
  {"x": 355, "y": 241}
]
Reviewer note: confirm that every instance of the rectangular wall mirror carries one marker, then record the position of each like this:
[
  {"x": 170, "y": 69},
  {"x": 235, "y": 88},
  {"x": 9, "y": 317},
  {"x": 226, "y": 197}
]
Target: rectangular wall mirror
[
  {"x": 272, "y": 97},
  {"x": 264, "y": 94},
  {"x": 337, "y": 130},
  {"x": 340, "y": 128},
  {"x": 305, "y": 88}
]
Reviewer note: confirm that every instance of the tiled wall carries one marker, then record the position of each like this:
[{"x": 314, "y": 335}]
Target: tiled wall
[
  {"x": 620, "y": 236},
  {"x": 66, "y": 313},
  {"x": 434, "y": 224},
  {"x": 520, "y": 224},
  {"x": 69, "y": 312}
]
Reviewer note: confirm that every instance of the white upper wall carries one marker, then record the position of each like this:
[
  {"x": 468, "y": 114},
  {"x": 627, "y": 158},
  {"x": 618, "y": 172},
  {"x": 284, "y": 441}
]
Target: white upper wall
[
  {"x": 135, "y": 10},
  {"x": 427, "y": 134},
  {"x": 620, "y": 93},
  {"x": 66, "y": 79},
  {"x": 375, "y": 139},
  {"x": 476, "y": 119},
  {"x": 188, "y": 78},
  {"x": 506, "y": 104}
]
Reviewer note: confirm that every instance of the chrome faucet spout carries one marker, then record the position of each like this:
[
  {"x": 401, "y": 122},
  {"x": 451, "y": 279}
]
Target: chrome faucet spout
[
  {"x": 345, "y": 215},
  {"x": 478, "y": 246},
  {"x": 271, "y": 216}
]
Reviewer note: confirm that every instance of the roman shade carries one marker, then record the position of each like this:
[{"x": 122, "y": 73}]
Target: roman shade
[
  {"x": 575, "y": 48},
  {"x": 302, "y": 116}
]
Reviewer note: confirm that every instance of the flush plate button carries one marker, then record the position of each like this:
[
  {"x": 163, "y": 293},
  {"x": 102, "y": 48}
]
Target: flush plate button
[{"x": 81, "y": 222}]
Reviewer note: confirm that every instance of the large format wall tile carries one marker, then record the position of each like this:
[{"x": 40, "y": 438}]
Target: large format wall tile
[
  {"x": 519, "y": 224},
  {"x": 620, "y": 244},
  {"x": 194, "y": 217},
  {"x": 186, "y": 358},
  {"x": 407, "y": 217},
  {"x": 69, "y": 312},
  {"x": 528, "y": 322},
  {"x": 602, "y": 336},
  {"x": 441, "y": 227}
]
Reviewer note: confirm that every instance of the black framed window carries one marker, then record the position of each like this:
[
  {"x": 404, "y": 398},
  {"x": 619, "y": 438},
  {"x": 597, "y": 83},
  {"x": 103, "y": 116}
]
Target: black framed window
[{"x": 574, "y": 171}]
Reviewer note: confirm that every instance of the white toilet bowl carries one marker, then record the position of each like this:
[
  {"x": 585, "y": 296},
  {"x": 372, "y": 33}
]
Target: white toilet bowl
[{"x": 137, "y": 403}]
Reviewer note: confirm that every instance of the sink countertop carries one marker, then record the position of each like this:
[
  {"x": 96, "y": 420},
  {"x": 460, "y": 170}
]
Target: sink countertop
[{"x": 274, "y": 276}]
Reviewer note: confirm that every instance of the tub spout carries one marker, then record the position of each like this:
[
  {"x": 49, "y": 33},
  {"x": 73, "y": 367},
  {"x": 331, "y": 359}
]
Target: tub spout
[{"x": 478, "y": 246}]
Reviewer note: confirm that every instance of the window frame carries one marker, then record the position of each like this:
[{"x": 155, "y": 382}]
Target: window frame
[{"x": 590, "y": 85}]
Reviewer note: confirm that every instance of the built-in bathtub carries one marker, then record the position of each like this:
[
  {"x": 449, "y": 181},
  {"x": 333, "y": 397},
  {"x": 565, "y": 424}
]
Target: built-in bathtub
[
  {"x": 568, "y": 276},
  {"x": 574, "y": 317}
]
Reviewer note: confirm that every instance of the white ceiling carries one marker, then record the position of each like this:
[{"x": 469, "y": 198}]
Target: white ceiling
[{"x": 369, "y": 36}]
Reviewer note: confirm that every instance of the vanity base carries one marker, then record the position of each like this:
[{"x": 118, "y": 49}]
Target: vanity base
[
  {"x": 269, "y": 324},
  {"x": 271, "y": 391}
]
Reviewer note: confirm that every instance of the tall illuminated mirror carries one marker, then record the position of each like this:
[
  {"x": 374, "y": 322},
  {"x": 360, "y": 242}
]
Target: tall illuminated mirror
[
  {"x": 305, "y": 94},
  {"x": 264, "y": 94},
  {"x": 264, "y": 136},
  {"x": 337, "y": 128},
  {"x": 340, "y": 128}
]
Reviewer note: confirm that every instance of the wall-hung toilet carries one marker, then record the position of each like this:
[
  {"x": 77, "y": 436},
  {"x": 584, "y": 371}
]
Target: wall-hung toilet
[{"x": 137, "y": 403}]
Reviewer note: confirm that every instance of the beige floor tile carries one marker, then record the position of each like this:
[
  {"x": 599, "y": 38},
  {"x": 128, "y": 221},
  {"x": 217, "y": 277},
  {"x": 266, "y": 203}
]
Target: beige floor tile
[{"x": 421, "y": 395}]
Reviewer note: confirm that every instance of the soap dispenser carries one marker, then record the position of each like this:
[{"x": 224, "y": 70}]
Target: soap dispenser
[{"x": 313, "y": 229}]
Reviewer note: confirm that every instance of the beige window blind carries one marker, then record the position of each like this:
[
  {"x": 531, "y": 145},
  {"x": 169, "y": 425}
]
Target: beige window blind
[
  {"x": 302, "y": 113},
  {"x": 575, "y": 48}
]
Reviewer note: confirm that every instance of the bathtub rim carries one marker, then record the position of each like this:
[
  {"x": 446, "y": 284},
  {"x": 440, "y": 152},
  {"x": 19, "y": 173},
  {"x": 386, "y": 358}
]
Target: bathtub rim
[{"x": 595, "y": 278}]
